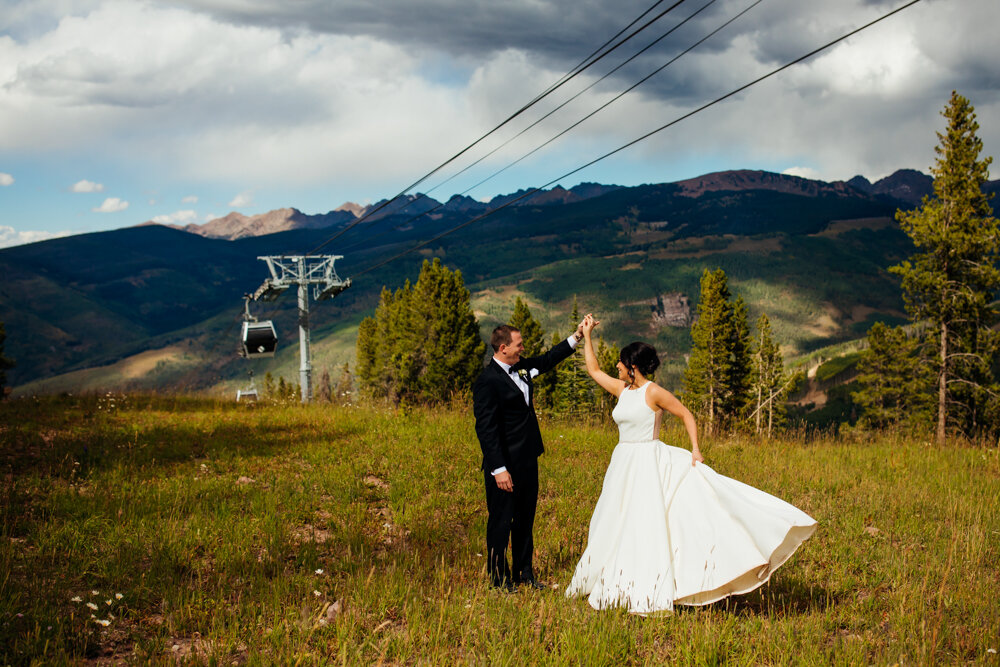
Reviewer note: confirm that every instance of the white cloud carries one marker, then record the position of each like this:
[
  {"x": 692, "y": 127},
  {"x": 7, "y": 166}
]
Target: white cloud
[
  {"x": 804, "y": 172},
  {"x": 210, "y": 217},
  {"x": 111, "y": 205},
  {"x": 244, "y": 198},
  {"x": 11, "y": 237},
  {"x": 190, "y": 199},
  {"x": 6, "y": 179},
  {"x": 86, "y": 186},
  {"x": 177, "y": 218}
]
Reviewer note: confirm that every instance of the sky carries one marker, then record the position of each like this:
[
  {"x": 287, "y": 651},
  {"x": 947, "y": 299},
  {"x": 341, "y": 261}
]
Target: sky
[{"x": 118, "y": 112}]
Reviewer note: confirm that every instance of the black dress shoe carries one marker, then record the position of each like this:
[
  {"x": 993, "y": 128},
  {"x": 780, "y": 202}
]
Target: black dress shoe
[
  {"x": 534, "y": 583},
  {"x": 505, "y": 587}
]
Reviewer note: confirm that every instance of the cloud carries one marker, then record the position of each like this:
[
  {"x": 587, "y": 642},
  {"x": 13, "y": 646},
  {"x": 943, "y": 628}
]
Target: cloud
[
  {"x": 6, "y": 179},
  {"x": 11, "y": 237},
  {"x": 190, "y": 199},
  {"x": 244, "y": 198},
  {"x": 86, "y": 186},
  {"x": 177, "y": 218},
  {"x": 358, "y": 97},
  {"x": 804, "y": 172},
  {"x": 111, "y": 205}
]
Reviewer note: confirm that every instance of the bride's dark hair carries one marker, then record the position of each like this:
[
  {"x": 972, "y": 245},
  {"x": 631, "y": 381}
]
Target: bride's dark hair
[{"x": 640, "y": 356}]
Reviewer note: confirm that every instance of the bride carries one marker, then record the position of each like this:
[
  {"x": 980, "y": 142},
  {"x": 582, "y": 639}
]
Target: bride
[{"x": 667, "y": 529}]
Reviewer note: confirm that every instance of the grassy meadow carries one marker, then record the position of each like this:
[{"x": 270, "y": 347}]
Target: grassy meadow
[{"x": 160, "y": 529}]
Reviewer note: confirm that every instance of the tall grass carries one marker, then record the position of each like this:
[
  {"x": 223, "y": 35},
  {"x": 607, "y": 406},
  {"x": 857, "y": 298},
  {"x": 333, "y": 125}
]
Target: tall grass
[{"x": 355, "y": 535}]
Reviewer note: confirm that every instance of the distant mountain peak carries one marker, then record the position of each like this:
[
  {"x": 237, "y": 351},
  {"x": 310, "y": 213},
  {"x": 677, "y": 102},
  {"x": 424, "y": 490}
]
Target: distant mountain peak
[{"x": 747, "y": 179}]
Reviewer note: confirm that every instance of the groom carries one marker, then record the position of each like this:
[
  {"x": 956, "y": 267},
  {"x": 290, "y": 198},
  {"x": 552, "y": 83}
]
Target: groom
[{"x": 511, "y": 442}]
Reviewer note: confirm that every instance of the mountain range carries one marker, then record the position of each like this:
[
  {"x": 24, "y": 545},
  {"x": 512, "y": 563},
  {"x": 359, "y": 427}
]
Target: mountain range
[{"x": 155, "y": 307}]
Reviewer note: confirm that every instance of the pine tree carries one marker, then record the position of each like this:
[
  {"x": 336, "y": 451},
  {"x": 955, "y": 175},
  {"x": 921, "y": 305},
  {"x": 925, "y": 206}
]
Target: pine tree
[
  {"x": 574, "y": 392},
  {"x": 533, "y": 336},
  {"x": 738, "y": 391},
  {"x": 269, "y": 385},
  {"x": 324, "y": 392},
  {"x": 423, "y": 343},
  {"x": 952, "y": 279},
  {"x": 5, "y": 363},
  {"x": 707, "y": 378},
  {"x": 532, "y": 333},
  {"x": 768, "y": 382},
  {"x": 607, "y": 358},
  {"x": 893, "y": 380},
  {"x": 345, "y": 385}
]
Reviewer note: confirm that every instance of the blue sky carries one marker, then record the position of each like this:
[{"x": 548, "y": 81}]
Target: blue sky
[{"x": 116, "y": 112}]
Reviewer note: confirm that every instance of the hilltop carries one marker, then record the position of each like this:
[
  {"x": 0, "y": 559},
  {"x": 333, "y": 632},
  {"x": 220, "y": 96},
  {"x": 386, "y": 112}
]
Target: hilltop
[{"x": 155, "y": 307}]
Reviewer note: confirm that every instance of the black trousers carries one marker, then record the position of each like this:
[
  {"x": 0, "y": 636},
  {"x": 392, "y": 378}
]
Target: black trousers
[{"x": 511, "y": 515}]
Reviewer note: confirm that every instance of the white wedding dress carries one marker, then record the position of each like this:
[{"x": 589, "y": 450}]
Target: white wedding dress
[{"x": 665, "y": 532}]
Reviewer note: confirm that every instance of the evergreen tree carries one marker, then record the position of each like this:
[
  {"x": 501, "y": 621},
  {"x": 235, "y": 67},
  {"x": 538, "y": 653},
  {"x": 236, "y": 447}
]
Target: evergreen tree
[
  {"x": 952, "y": 279},
  {"x": 607, "y": 358},
  {"x": 532, "y": 333},
  {"x": 5, "y": 363},
  {"x": 709, "y": 371},
  {"x": 325, "y": 389},
  {"x": 574, "y": 392},
  {"x": 768, "y": 382},
  {"x": 268, "y": 385},
  {"x": 893, "y": 380},
  {"x": 740, "y": 363},
  {"x": 423, "y": 343},
  {"x": 533, "y": 336},
  {"x": 345, "y": 385}
]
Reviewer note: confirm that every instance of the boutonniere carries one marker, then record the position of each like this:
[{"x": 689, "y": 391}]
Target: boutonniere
[{"x": 524, "y": 374}]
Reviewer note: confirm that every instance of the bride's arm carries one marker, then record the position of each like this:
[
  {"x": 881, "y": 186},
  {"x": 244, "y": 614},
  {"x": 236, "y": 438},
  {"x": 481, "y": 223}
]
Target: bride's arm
[
  {"x": 667, "y": 401},
  {"x": 612, "y": 385}
]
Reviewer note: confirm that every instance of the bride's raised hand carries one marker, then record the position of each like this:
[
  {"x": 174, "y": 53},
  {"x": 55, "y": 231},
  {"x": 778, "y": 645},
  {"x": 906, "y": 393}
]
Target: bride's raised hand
[{"x": 589, "y": 323}]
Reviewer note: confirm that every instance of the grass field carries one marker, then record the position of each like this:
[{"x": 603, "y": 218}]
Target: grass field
[{"x": 324, "y": 534}]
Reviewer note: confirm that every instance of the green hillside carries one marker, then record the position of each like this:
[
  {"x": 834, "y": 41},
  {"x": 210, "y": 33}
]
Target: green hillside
[{"x": 816, "y": 263}]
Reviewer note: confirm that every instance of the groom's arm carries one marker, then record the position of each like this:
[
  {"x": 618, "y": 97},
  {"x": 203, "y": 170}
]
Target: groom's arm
[{"x": 546, "y": 362}]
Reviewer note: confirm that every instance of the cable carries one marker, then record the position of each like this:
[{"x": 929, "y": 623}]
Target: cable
[
  {"x": 585, "y": 64},
  {"x": 639, "y": 139},
  {"x": 577, "y": 123}
]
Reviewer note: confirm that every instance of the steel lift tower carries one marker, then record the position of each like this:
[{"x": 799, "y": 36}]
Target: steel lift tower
[{"x": 302, "y": 271}]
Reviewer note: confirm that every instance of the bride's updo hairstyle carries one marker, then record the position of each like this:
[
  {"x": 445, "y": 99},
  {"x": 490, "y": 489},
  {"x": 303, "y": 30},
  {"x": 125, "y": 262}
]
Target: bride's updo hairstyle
[{"x": 640, "y": 356}]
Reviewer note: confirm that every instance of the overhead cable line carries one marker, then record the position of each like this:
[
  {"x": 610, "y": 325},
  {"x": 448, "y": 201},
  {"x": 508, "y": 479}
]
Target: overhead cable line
[
  {"x": 585, "y": 64},
  {"x": 578, "y": 94},
  {"x": 580, "y": 121},
  {"x": 645, "y": 136}
]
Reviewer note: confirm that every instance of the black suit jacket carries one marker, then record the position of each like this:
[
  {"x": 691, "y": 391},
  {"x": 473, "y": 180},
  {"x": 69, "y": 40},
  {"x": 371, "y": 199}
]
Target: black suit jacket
[{"x": 506, "y": 426}]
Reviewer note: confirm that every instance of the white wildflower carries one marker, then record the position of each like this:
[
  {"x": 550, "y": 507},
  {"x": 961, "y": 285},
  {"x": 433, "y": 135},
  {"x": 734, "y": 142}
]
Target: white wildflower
[
  {"x": 103, "y": 622},
  {"x": 92, "y": 606},
  {"x": 118, "y": 596},
  {"x": 319, "y": 571},
  {"x": 76, "y": 598},
  {"x": 317, "y": 593},
  {"x": 95, "y": 592},
  {"x": 108, "y": 602}
]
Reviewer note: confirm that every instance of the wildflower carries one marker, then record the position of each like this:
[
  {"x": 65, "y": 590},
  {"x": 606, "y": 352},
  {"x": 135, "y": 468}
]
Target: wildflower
[
  {"x": 76, "y": 598},
  {"x": 103, "y": 622},
  {"x": 317, "y": 593},
  {"x": 991, "y": 650},
  {"x": 92, "y": 616},
  {"x": 95, "y": 592},
  {"x": 319, "y": 571},
  {"x": 118, "y": 596},
  {"x": 92, "y": 606},
  {"x": 20, "y": 615},
  {"x": 108, "y": 602}
]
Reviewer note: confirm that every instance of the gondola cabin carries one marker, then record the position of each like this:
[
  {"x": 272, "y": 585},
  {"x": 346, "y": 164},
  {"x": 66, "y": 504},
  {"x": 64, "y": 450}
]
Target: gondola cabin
[{"x": 259, "y": 340}]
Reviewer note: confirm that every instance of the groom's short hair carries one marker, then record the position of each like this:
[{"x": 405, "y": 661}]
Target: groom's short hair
[{"x": 501, "y": 336}]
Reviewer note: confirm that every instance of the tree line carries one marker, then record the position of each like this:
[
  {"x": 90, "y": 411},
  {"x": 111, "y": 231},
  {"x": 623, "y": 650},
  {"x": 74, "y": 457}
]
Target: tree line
[{"x": 423, "y": 342}]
